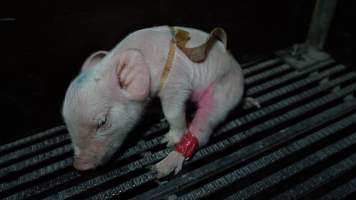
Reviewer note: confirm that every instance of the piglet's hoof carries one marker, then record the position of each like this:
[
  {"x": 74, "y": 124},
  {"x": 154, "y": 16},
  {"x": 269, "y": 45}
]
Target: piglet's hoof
[
  {"x": 250, "y": 102},
  {"x": 173, "y": 162}
]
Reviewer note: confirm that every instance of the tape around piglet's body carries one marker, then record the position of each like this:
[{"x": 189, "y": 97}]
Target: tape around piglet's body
[{"x": 199, "y": 53}]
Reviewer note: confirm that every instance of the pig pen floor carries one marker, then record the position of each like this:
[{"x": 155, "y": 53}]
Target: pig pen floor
[{"x": 299, "y": 144}]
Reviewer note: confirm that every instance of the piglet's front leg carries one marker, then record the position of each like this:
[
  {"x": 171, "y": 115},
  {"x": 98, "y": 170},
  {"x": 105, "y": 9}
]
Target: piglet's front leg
[{"x": 173, "y": 106}]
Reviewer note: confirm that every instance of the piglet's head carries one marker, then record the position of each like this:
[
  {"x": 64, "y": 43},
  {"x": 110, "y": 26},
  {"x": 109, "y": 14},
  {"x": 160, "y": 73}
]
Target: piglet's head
[{"x": 103, "y": 103}]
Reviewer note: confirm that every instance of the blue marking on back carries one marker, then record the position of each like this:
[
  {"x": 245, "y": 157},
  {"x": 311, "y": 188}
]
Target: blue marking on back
[{"x": 81, "y": 78}]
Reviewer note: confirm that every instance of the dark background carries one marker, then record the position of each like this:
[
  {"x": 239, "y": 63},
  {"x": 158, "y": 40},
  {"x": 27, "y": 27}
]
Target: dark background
[{"x": 43, "y": 43}]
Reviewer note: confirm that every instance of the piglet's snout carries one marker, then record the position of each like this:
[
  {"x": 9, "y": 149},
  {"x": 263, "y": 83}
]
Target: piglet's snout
[
  {"x": 92, "y": 156},
  {"x": 82, "y": 164}
]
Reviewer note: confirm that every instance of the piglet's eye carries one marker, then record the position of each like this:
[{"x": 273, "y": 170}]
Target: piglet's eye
[{"x": 101, "y": 123}]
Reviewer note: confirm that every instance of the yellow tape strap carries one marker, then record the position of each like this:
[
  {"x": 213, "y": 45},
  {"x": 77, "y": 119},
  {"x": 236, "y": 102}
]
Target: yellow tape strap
[
  {"x": 199, "y": 53},
  {"x": 168, "y": 64}
]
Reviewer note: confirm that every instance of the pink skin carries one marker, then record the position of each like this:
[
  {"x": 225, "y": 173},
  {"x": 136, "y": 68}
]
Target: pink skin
[
  {"x": 204, "y": 97},
  {"x": 206, "y": 104},
  {"x": 114, "y": 87}
]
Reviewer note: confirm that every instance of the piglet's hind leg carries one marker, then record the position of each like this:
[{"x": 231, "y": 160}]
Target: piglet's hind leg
[{"x": 216, "y": 103}]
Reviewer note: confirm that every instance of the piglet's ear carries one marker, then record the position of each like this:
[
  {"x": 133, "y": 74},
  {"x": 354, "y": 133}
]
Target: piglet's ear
[
  {"x": 133, "y": 75},
  {"x": 93, "y": 59}
]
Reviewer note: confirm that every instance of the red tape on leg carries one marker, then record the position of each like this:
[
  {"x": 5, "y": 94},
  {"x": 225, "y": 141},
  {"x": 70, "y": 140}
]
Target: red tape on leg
[{"x": 187, "y": 145}]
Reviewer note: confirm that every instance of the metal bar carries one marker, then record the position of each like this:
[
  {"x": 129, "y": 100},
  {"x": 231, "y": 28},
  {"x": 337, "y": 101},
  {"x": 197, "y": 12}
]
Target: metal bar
[
  {"x": 261, "y": 76},
  {"x": 260, "y": 66},
  {"x": 48, "y": 133},
  {"x": 30, "y": 150},
  {"x": 257, "y": 60},
  {"x": 320, "y": 23},
  {"x": 36, "y": 174},
  {"x": 34, "y": 160},
  {"x": 277, "y": 82},
  {"x": 302, "y": 83}
]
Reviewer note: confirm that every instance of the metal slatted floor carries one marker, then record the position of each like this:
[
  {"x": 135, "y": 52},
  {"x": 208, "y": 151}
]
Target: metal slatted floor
[{"x": 300, "y": 144}]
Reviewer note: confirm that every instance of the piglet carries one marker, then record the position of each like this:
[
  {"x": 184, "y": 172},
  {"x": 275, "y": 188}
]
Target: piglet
[{"x": 106, "y": 100}]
